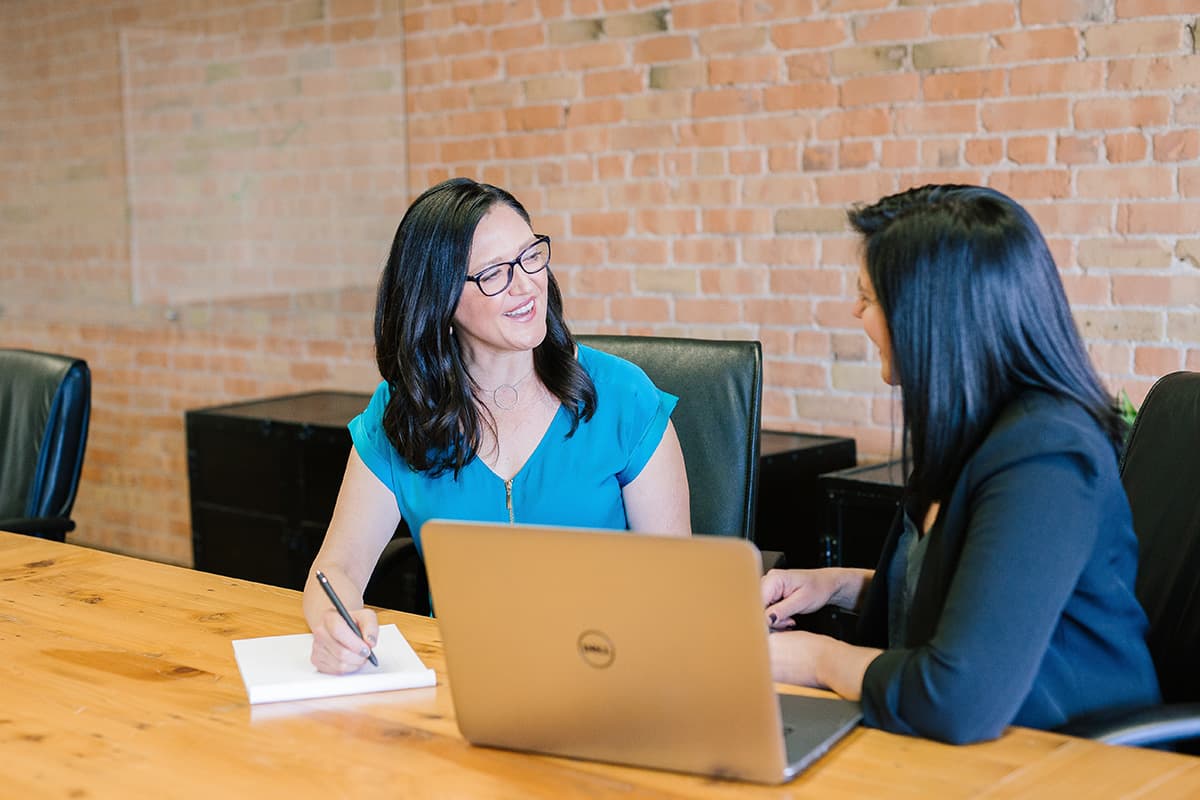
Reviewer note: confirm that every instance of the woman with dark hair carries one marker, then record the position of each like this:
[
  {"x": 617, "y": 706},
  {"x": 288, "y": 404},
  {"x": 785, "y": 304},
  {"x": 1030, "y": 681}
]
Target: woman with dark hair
[
  {"x": 488, "y": 409},
  {"x": 1005, "y": 591}
]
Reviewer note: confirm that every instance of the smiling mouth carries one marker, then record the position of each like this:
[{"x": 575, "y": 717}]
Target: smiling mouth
[{"x": 521, "y": 311}]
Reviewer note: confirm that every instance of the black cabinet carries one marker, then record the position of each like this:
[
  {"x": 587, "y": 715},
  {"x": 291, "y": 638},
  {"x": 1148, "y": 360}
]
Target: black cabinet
[
  {"x": 791, "y": 506},
  {"x": 860, "y": 505},
  {"x": 264, "y": 476}
]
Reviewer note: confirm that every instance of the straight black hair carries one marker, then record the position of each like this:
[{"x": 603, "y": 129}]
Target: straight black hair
[
  {"x": 432, "y": 418},
  {"x": 977, "y": 314}
]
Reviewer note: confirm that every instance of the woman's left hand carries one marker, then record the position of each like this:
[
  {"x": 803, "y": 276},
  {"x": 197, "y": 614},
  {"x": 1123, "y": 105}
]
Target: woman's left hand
[
  {"x": 794, "y": 657},
  {"x": 803, "y": 658}
]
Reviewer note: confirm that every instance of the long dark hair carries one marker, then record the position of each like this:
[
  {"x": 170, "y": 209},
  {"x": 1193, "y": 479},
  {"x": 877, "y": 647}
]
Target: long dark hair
[
  {"x": 977, "y": 313},
  {"x": 431, "y": 418}
]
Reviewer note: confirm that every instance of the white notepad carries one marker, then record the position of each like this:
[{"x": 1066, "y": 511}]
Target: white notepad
[{"x": 277, "y": 668}]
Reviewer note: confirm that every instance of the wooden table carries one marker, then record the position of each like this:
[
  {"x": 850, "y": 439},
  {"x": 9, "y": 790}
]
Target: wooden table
[{"x": 117, "y": 679}]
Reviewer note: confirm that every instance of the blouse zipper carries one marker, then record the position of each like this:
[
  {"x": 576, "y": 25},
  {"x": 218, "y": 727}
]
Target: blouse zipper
[{"x": 508, "y": 501}]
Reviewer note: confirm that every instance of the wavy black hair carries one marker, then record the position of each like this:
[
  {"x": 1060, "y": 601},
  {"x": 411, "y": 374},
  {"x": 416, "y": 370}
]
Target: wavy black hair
[
  {"x": 977, "y": 313},
  {"x": 432, "y": 418}
]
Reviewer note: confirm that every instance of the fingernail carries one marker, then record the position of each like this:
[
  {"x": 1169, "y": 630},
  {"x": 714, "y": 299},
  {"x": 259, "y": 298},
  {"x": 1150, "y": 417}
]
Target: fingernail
[
  {"x": 372, "y": 640},
  {"x": 364, "y": 652}
]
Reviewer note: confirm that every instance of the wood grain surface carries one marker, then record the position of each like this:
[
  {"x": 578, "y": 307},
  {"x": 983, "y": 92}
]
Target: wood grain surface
[{"x": 117, "y": 680}]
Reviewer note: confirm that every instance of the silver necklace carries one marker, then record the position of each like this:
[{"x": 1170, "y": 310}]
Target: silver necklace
[{"x": 505, "y": 396}]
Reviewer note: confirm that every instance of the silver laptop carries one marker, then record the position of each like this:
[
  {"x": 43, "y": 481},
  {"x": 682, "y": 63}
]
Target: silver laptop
[{"x": 619, "y": 647}]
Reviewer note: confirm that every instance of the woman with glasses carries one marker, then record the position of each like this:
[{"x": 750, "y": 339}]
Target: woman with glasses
[
  {"x": 488, "y": 409},
  {"x": 1005, "y": 591}
]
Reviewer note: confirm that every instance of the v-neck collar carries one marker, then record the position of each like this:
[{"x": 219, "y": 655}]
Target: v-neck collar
[{"x": 533, "y": 455}]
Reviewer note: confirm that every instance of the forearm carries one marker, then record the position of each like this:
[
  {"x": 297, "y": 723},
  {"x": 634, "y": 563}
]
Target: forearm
[
  {"x": 841, "y": 666},
  {"x": 316, "y": 603},
  {"x": 851, "y": 587},
  {"x": 803, "y": 658}
]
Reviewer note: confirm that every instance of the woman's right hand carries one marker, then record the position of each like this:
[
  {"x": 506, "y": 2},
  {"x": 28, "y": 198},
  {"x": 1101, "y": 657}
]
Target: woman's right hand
[
  {"x": 336, "y": 648},
  {"x": 787, "y": 592}
]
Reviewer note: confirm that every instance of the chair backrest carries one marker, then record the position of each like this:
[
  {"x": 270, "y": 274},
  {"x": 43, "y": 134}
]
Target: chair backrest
[
  {"x": 45, "y": 403},
  {"x": 1161, "y": 473},
  {"x": 718, "y": 419}
]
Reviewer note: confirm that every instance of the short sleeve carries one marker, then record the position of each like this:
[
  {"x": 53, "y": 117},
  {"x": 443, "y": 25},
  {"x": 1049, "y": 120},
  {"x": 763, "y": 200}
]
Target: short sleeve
[
  {"x": 648, "y": 409},
  {"x": 370, "y": 441}
]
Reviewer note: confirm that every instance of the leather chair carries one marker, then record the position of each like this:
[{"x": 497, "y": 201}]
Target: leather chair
[
  {"x": 718, "y": 421},
  {"x": 45, "y": 403},
  {"x": 1161, "y": 473}
]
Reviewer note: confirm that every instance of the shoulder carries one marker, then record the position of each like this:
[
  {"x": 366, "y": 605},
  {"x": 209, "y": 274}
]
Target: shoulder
[
  {"x": 1039, "y": 424},
  {"x": 378, "y": 402},
  {"x": 607, "y": 368}
]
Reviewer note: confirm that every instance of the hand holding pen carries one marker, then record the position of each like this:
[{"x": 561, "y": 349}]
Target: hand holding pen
[{"x": 345, "y": 615}]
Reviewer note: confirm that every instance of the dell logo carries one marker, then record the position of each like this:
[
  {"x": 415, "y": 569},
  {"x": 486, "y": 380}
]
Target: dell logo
[{"x": 596, "y": 649}]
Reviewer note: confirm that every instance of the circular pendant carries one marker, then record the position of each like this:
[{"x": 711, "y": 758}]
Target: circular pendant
[{"x": 505, "y": 397}]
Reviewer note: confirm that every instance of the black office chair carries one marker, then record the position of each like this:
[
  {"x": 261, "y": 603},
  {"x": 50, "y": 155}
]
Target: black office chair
[
  {"x": 1161, "y": 472},
  {"x": 45, "y": 402},
  {"x": 718, "y": 420}
]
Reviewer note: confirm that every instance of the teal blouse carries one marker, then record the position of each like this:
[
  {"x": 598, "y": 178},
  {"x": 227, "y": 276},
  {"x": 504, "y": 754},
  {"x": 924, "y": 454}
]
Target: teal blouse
[{"x": 571, "y": 481}]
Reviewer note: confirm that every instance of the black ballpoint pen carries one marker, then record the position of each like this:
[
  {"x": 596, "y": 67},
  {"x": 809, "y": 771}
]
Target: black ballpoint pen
[{"x": 341, "y": 609}]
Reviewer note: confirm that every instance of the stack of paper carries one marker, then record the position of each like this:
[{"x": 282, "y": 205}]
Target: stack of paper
[{"x": 278, "y": 668}]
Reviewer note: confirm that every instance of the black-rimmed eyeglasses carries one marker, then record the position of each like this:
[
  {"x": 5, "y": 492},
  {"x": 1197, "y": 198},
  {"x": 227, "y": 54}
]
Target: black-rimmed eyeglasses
[{"x": 495, "y": 279}]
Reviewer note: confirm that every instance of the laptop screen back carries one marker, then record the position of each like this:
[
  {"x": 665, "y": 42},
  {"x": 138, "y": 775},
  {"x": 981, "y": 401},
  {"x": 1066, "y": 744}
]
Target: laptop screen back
[{"x": 617, "y": 647}]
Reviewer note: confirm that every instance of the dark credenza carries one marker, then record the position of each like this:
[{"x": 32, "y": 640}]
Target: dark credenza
[
  {"x": 791, "y": 507},
  {"x": 860, "y": 505},
  {"x": 264, "y": 477}
]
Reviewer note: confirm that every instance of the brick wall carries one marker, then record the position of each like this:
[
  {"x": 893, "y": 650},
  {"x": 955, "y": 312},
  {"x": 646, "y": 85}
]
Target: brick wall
[{"x": 197, "y": 197}]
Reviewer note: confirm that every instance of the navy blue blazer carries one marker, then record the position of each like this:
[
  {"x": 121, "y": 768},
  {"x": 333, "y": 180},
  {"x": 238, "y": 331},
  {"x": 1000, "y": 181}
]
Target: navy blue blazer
[{"x": 1024, "y": 612}]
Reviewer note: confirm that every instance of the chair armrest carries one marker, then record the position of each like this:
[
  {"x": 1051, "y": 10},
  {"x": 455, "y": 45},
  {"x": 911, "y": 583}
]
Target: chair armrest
[
  {"x": 1140, "y": 726},
  {"x": 55, "y": 528}
]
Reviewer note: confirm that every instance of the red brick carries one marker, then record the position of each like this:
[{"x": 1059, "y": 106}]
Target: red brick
[
  {"x": 746, "y": 69},
  {"x": 808, "y": 34},
  {"x": 707, "y": 310},
  {"x": 1181, "y": 145},
  {"x": 984, "y": 151},
  {"x": 1058, "y": 78},
  {"x": 1077, "y": 149},
  {"x": 1125, "y": 182},
  {"x": 1033, "y": 184},
  {"x": 941, "y": 118},
  {"x": 1147, "y": 74},
  {"x": 890, "y": 26},
  {"x": 1046, "y": 44},
  {"x": 742, "y": 39},
  {"x": 1029, "y": 149},
  {"x": 595, "y": 56},
  {"x": 985, "y": 18},
  {"x": 813, "y": 94},
  {"x": 667, "y": 47},
  {"x": 1047, "y": 12},
  {"x": 623, "y": 81},
  {"x": 1026, "y": 115},
  {"x": 1158, "y": 217},
  {"x": 705, "y": 14},
  {"x": 1133, "y": 38},
  {"x": 970, "y": 85},
  {"x": 1157, "y": 361},
  {"x": 614, "y": 223},
  {"x": 1125, "y": 112},
  {"x": 863, "y": 122},
  {"x": 1123, "y": 147},
  {"x": 879, "y": 89}
]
